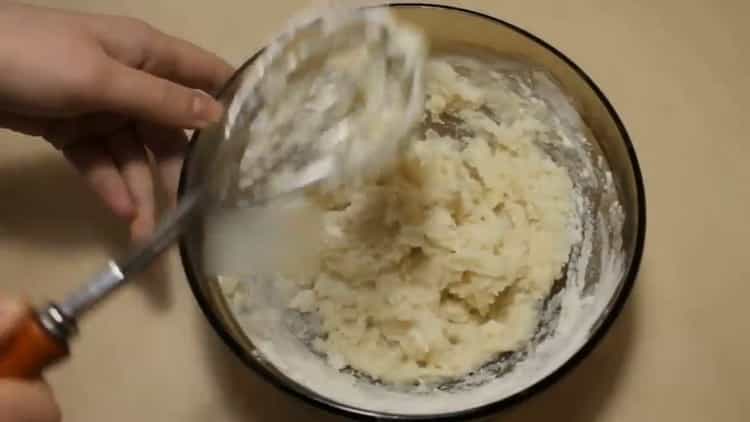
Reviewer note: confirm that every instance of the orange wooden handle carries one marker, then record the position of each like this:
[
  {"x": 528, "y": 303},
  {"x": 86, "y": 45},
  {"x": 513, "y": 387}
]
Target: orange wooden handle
[{"x": 30, "y": 349}]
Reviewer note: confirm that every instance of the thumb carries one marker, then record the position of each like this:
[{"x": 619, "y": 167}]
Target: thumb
[
  {"x": 11, "y": 314},
  {"x": 144, "y": 96},
  {"x": 27, "y": 401}
]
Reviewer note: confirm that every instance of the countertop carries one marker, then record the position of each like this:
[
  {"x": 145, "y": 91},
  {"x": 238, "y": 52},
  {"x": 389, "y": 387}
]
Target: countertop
[{"x": 678, "y": 72}]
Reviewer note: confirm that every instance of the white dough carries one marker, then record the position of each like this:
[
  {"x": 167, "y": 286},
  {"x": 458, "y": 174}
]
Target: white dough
[{"x": 441, "y": 264}]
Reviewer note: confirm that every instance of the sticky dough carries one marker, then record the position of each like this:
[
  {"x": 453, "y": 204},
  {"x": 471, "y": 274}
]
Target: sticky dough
[{"x": 442, "y": 264}]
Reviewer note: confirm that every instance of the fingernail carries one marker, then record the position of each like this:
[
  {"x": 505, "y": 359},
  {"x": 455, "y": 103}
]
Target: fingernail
[{"x": 206, "y": 110}]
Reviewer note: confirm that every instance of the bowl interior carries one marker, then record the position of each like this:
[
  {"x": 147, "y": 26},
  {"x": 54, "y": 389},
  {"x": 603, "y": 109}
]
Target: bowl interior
[{"x": 616, "y": 241}]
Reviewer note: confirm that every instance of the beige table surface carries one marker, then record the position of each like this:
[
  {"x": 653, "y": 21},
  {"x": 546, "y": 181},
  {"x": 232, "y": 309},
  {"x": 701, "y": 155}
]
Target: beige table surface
[{"x": 679, "y": 74}]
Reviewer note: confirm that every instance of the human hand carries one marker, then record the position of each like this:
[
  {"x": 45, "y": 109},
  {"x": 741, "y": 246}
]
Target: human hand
[
  {"x": 22, "y": 400},
  {"x": 107, "y": 91}
]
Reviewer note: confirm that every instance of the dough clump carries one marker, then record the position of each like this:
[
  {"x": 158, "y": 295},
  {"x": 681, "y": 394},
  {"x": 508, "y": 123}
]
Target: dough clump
[{"x": 442, "y": 263}]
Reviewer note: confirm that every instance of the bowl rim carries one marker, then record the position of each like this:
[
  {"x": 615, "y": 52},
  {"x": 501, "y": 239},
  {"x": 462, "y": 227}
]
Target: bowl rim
[{"x": 598, "y": 332}]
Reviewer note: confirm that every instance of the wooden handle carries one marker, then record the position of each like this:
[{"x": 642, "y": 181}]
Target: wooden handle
[{"x": 30, "y": 349}]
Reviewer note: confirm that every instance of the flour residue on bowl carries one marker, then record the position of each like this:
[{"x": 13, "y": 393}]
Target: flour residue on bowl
[{"x": 530, "y": 103}]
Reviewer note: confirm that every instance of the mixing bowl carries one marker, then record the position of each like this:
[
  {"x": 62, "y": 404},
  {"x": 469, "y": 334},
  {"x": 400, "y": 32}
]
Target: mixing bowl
[{"x": 614, "y": 234}]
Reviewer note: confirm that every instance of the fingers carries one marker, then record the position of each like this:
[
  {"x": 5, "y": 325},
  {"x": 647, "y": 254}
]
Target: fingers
[
  {"x": 64, "y": 132},
  {"x": 137, "y": 44},
  {"x": 132, "y": 161},
  {"x": 118, "y": 170},
  {"x": 183, "y": 62},
  {"x": 168, "y": 147},
  {"x": 27, "y": 401},
  {"x": 12, "y": 313},
  {"x": 94, "y": 162},
  {"x": 136, "y": 93},
  {"x": 26, "y": 125}
]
